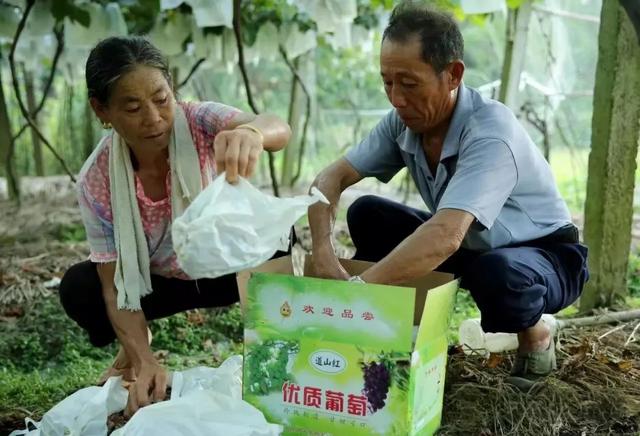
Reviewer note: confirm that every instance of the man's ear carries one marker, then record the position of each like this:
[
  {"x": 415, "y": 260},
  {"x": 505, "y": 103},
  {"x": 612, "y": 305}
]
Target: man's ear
[
  {"x": 455, "y": 71},
  {"x": 100, "y": 110}
]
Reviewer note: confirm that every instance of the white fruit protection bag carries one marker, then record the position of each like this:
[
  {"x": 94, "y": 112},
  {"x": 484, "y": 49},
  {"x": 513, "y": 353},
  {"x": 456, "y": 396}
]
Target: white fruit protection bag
[
  {"x": 204, "y": 402},
  {"x": 230, "y": 228}
]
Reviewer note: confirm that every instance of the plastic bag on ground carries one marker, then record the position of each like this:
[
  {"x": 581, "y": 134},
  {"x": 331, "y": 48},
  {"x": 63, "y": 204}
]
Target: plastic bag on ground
[
  {"x": 229, "y": 228},
  {"x": 204, "y": 401},
  {"x": 83, "y": 413},
  {"x": 202, "y": 413},
  {"x": 225, "y": 379}
]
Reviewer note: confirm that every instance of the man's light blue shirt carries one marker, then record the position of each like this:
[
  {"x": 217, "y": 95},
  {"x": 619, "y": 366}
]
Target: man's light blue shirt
[{"x": 489, "y": 167}]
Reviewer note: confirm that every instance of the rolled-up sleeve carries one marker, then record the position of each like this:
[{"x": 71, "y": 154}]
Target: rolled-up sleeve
[
  {"x": 378, "y": 154},
  {"x": 209, "y": 117},
  {"x": 98, "y": 223},
  {"x": 485, "y": 177}
]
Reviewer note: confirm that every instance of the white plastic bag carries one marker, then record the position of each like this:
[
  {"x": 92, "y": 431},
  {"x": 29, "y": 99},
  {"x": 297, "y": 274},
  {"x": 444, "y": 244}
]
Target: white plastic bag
[
  {"x": 225, "y": 379},
  {"x": 201, "y": 413},
  {"x": 229, "y": 228},
  {"x": 204, "y": 401},
  {"x": 83, "y": 413}
]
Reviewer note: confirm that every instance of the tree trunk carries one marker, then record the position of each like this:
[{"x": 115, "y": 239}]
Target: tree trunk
[
  {"x": 612, "y": 161},
  {"x": 517, "y": 27},
  {"x": 6, "y": 154},
  {"x": 174, "y": 75},
  {"x": 296, "y": 107},
  {"x": 237, "y": 30},
  {"x": 72, "y": 138},
  {"x": 31, "y": 106},
  {"x": 300, "y": 108},
  {"x": 88, "y": 131}
]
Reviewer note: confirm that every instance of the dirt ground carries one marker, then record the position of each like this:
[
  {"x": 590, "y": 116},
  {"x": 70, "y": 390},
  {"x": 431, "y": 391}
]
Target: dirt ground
[{"x": 596, "y": 389}]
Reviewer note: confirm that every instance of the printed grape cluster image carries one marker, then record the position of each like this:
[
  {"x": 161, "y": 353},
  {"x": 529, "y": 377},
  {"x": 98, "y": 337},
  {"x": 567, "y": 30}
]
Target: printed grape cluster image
[
  {"x": 380, "y": 374},
  {"x": 377, "y": 380},
  {"x": 266, "y": 365}
]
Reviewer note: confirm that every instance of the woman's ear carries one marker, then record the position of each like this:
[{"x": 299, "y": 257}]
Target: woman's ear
[{"x": 100, "y": 110}]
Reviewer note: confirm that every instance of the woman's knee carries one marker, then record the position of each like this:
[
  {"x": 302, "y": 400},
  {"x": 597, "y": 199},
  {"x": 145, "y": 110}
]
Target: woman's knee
[{"x": 79, "y": 286}]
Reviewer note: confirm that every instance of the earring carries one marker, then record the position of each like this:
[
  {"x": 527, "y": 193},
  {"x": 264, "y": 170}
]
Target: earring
[{"x": 106, "y": 125}]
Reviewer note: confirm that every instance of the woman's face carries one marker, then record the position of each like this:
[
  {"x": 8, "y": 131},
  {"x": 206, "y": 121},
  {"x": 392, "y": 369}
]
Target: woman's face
[{"x": 140, "y": 109}]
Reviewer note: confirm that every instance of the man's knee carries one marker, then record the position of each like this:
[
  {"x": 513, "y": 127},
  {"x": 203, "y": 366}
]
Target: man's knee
[
  {"x": 361, "y": 210},
  {"x": 509, "y": 299},
  {"x": 494, "y": 273}
]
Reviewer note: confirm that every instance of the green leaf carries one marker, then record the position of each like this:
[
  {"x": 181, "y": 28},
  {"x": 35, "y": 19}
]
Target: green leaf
[
  {"x": 65, "y": 8},
  {"x": 140, "y": 15},
  {"x": 514, "y": 4}
]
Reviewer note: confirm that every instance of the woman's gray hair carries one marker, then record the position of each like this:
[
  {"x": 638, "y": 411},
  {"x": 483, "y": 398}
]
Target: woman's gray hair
[{"x": 115, "y": 56}]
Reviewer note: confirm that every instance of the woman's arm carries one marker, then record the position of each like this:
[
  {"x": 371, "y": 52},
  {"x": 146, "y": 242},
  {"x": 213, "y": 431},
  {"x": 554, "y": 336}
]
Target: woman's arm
[
  {"x": 275, "y": 131},
  {"x": 238, "y": 147},
  {"x": 131, "y": 329}
]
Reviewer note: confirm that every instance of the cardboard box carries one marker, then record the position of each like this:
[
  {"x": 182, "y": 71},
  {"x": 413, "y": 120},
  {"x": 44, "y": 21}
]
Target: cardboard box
[{"x": 341, "y": 358}]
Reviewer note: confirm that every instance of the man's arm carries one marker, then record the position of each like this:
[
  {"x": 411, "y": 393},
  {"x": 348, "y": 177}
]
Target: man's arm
[
  {"x": 424, "y": 250},
  {"x": 332, "y": 181},
  {"x": 485, "y": 177},
  {"x": 131, "y": 329}
]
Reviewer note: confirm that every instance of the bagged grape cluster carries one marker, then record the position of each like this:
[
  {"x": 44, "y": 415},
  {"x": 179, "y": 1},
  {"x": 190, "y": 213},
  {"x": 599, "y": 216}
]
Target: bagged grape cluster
[
  {"x": 266, "y": 365},
  {"x": 377, "y": 380}
]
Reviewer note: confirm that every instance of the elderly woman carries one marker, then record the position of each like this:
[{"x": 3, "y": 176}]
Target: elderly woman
[{"x": 158, "y": 156}]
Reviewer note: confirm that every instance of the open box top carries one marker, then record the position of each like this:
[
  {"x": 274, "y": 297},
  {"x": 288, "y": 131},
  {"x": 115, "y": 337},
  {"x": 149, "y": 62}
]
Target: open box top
[{"x": 415, "y": 294}]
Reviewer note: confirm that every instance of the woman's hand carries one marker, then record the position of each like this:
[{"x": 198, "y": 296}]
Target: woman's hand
[
  {"x": 237, "y": 152},
  {"x": 149, "y": 387}
]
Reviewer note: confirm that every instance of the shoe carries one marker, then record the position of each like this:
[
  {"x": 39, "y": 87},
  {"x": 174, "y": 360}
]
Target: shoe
[{"x": 529, "y": 368}]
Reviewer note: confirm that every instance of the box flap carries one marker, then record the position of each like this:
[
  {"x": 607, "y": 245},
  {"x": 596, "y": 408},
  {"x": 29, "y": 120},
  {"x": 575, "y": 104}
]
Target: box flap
[
  {"x": 421, "y": 284},
  {"x": 353, "y": 267},
  {"x": 370, "y": 315},
  {"x": 437, "y": 312},
  {"x": 426, "y": 394},
  {"x": 281, "y": 265}
]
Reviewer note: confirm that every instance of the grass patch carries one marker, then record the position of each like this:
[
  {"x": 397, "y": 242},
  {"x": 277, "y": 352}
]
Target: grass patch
[
  {"x": 38, "y": 390},
  {"x": 45, "y": 337},
  {"x": 633, "y": 275},
  {"x": 70, "y": 233},
  {"x": 464, "y": 308}
]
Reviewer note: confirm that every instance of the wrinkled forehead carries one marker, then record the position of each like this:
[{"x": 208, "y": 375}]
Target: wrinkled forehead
[
  {"x": 403, "y": 57},
  {"x": 141, "y": 82},
  {"x": 410, "y": 43}
]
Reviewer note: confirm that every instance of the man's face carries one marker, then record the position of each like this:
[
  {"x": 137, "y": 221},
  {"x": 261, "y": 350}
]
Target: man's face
[{"x": 422, "y": 97}]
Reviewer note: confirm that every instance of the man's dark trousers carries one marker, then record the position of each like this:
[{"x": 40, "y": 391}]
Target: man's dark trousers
[{"x": 512, "y": 286}]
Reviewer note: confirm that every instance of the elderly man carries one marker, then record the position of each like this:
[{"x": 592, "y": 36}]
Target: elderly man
[{"x": 495, "y": 217}]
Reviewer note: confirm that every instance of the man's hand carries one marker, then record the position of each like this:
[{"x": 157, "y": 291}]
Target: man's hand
[
  {"x": 327, "y": 266},
  {"x": 150, "y": 386},
  {"x": 237, "y": 152}
]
